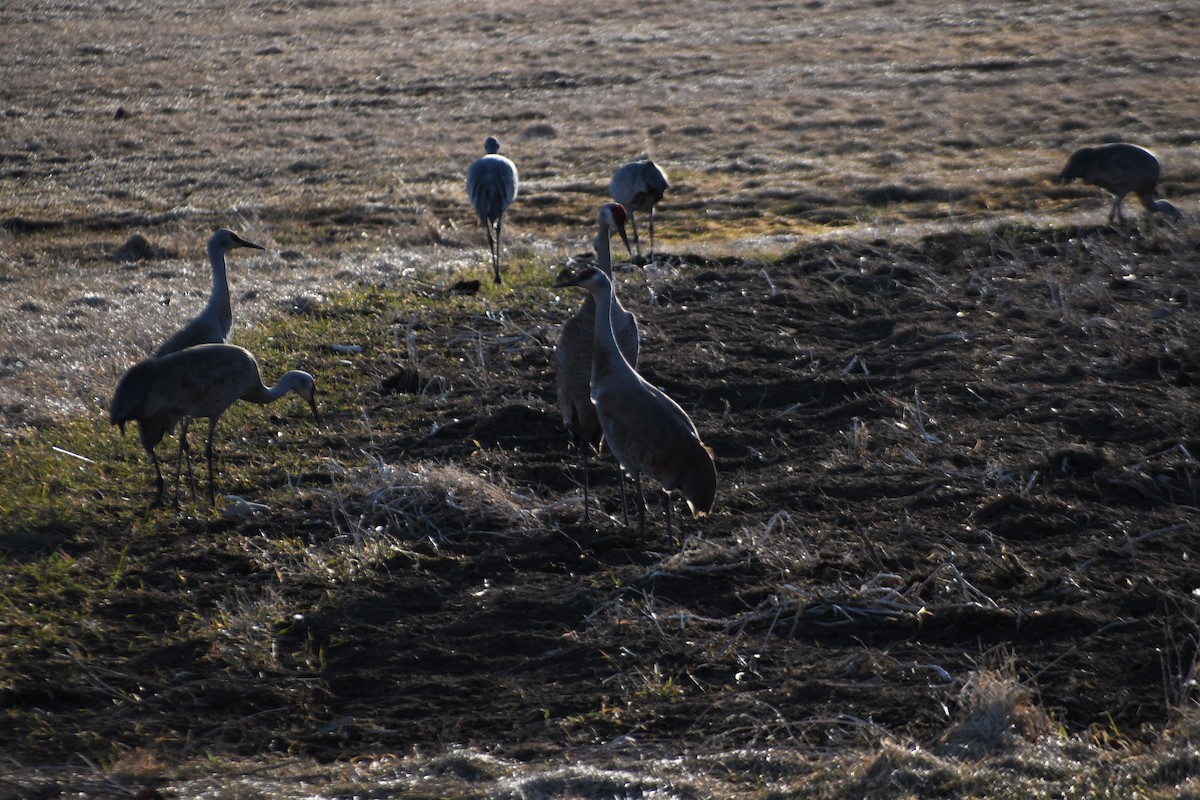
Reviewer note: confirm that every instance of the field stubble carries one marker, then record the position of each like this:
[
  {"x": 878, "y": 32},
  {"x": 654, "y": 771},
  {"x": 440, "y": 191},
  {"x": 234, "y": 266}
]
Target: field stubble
[{"x": 954, "y": 420}]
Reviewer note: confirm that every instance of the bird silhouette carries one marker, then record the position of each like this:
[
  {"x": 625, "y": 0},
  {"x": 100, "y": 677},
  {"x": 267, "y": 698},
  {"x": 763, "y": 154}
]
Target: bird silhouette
[
  {"x": 638, "y": 186},
  {"x": 200, "y": 381},
  {"x": 1119, "y": 168},
  {"x": 210, "y": 326},
  {"x": 573, "y": 351},
  {"x": 647, "y": 431},
  {"x": 492, "y": 186}
]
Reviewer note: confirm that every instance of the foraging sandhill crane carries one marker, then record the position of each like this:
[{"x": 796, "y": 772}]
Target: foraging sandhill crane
[
  {"x": 211, "y": 325},
  {"x": 646, "y": 430},
  {"x": 573, "y": 351},
  {"x": 638, "y": 186},
  {"x": 1119, "y": 168},
  {"x": 492, "y": 186},
  {"x": 200, "y": 381}
]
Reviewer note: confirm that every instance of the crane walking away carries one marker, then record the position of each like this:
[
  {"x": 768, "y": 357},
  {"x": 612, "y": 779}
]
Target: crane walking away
[
  {"x": 210, "y": 326},
  {"x": 200, "y": 381},
  {"x": 573, "y": 351},
  {"x": 646, "y": 430},
  {"x": 492, "y": 186},
  {"x": 1119, "y": 168},
  {"x": 638, "y": 186}
]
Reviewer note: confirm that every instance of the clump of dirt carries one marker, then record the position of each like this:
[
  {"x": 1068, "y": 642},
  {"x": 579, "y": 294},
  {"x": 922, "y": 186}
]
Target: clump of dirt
[{"x": 136, "y": 248}]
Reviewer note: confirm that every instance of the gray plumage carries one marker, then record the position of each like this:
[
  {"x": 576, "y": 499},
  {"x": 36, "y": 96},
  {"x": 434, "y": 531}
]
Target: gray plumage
[
  {"x": 492, "y": 186},
  {"x": 213, "y": 323},
  {"x": 638, "y": 186},
  {"x": 200, "y": 381},
  {"x": 573, "y": 351},
  {"x": 210, "y": 326},
  {"x": 647, "y": 431},
  {"x": 1119, "y": 168}
]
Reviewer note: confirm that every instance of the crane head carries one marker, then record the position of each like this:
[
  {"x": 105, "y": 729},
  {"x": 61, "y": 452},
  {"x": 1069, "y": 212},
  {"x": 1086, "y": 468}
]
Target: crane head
[
  {"x": 306, "y": 387},
  {"x": 586, "y": 278},
  {"x": 614, "y": 215},
  {"x": 224, "y": 240},
  {"x": 491, "y": 146},
  {"x": 1077, "y": 165}
]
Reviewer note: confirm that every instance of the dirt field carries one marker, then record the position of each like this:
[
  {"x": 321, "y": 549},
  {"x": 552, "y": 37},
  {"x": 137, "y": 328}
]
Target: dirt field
[{"x": 954, "y": 414}]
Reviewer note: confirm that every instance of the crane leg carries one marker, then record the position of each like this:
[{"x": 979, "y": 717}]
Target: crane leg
[
  {"x": 492, "y": 249},
  {"x": 637, "y": 243},
  {"x": 624, "y": 501},
  {"x": 651, "y": 256},
  {"x": 208, "y": 452},
  {"x": 667, "y": 509},
  {"x": 179, "y": 457},
  {"x": 496, "y": 254},
  {"x": 641, "y": 512},
  {"x": 158, "y": 480},
  {"x": 1115, "y": 212},
  {"x": 185, "y": 451},
  {"x": 586, "y": 518},
  {"x": 187, "y": 455}
]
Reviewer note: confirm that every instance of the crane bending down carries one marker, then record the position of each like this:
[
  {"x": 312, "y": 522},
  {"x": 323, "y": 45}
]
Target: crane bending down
[
  {"x": 492, "y": 186},
  {"x": 646, "y": 430},
  {"x": 200, "y": 381},
  {"x": 573, "y": 351},
  {"x": 1119, "y": 168},
  {"x": 210, "y": 326},
  {"x": 638, "y": 186}
]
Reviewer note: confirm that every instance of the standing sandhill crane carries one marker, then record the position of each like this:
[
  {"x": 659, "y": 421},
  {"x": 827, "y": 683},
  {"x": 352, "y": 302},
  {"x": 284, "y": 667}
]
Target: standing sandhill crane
[
  {"x": 212, "y": 325},
  {"x": 492, "y": 186},
  {"x": 646, "y": 431},
  {"x": 573, "y": 351},
  {"x": 638, "y": 186},
  {"x": 200, "y": 381},
  {"x": 1119, "y": 168}
]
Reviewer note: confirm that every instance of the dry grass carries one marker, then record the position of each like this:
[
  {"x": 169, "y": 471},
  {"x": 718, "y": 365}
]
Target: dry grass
[
  {"x": 995, "y": 712},
  {"x": 418, "y": 501},
  {"x": 338, "y": 134}
]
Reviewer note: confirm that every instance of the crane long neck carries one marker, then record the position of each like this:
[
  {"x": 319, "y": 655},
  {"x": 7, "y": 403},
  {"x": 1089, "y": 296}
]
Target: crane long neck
[
  {"x": 604, "y": 343},
  {"x": 220, "y": 283},
  {"x": 604, "y": 250},
  {"x": 294, "y": 380},
  {"x": 262, "y": 394}
]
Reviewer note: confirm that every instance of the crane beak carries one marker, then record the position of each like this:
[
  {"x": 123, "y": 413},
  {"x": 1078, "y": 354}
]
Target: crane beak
[
  {"x": 625, "y": 239},
  {"x": 565, "y": 279},
  {"x": 312, "y": 403},
  {"x": 240, "y": 242}
]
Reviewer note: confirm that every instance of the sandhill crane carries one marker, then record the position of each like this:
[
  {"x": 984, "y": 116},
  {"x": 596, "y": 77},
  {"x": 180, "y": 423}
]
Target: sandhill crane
[
  {"x": 638, "y": 186},
  {"x": 492, "y": 186},
  {"x": 1119, "y": 168},
  {"x": 211, "y": 325},
  {"x": 573, "y": 351},
  {"x": 646, "y": 430},
  {"x": 200, "y": 381}
]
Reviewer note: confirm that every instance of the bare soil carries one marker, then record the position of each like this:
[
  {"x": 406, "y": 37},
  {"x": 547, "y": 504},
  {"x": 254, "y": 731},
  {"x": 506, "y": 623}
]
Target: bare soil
[
  {"x": 934, "y": 459},
  {"x": 954, "y": 417}
]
